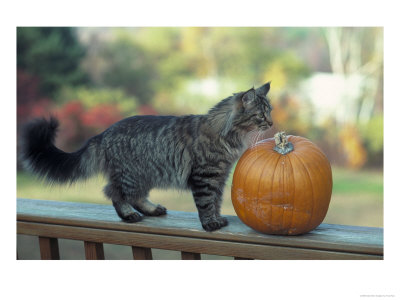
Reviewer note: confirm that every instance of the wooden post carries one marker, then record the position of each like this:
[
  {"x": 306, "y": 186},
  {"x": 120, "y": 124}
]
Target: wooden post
[
  {"x": 94, "y": 250},
  {"x": 140, "y": 253},
  {"x": 48, "y": 248},
  {"x": 190, "y": 255}
]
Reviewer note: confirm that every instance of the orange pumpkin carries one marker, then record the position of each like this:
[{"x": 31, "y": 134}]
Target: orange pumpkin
[{"x": 282, "y": 186}]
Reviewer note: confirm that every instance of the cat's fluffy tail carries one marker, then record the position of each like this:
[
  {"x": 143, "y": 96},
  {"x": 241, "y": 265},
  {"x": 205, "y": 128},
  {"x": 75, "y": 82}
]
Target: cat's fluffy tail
[{"x": 40, "y": 156}]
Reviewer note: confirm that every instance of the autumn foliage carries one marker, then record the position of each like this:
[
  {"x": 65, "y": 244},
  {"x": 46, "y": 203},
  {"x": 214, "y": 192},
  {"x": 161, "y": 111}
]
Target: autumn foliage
[
  {"x": 91, "y": 78},
  {"x": 79, "y": 123}
]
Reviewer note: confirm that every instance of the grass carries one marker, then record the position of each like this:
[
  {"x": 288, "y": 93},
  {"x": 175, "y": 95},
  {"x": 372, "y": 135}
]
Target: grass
[
  {"x": 353, "y": 182},
  {"x": 357, "y": 196}
]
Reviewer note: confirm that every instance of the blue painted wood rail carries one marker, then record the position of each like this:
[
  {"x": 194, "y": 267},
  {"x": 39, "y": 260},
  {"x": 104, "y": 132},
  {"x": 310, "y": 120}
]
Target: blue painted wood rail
[{"x": 95, "y": 224}]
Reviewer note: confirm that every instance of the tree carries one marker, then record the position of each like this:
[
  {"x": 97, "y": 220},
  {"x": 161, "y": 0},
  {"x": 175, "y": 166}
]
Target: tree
[
  {"x": 356, "y": 54},
  {"x": 116, "y": 61},
  {"x": 359, "y": 52},
  {"x": 52, "y": 54}
]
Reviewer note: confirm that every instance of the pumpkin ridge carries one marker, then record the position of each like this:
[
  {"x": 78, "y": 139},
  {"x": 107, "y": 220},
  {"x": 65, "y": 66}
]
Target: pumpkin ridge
[
  {"x": 325, "y": 172},
  {"x": 272, "y": 183},
  {"x": 250, "y": 167},
  {"x": 320, "y": 154},
  {"x": 296, "y": 139},
  {"x": 312, "y": 188},
  {"x": 323, "y": 158},
  {"x": 294, "y": 192},
  {"x": 302, "y": 143},
  {"x": 267, "y": 161}
]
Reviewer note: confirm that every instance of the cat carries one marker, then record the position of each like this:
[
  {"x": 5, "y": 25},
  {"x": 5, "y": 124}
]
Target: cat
[{"x": 139, "y": 153}]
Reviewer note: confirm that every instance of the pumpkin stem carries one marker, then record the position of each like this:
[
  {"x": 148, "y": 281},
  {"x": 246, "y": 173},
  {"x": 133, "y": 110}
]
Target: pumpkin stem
[{"x": 282, "y": 145}]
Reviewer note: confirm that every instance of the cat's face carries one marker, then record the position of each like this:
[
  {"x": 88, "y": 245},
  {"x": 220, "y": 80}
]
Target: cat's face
[{"x": 256, "y": 110}]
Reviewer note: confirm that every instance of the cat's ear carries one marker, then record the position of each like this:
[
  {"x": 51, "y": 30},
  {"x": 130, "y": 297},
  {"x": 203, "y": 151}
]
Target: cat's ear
[
  {"x": 248, "y": 98},
  {"x": 263, "y": 90}
]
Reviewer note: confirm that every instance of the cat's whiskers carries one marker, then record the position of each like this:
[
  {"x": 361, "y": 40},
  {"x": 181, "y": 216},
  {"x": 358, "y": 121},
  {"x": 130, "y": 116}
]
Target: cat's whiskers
[
  {"x": 260, "y": 132},
  {"x": 252, "y": 137},
  {"x": 255, "y": 139},
  {"x": 257, "y": 136}
]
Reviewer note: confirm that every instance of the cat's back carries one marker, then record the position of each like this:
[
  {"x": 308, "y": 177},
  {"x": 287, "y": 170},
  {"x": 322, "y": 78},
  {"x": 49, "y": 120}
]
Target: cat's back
[
  {"x": 140, "y": 123},
  {"x": 148, "y": 130}
]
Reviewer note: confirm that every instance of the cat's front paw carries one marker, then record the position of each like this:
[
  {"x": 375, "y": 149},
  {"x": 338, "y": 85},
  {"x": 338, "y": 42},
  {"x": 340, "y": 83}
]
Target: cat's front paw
[
  {"x": 214, "y": 223},
  {"x": 223, "y": 221}
]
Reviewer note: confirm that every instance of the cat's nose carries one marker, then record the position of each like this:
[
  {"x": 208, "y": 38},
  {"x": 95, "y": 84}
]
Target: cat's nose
[{"x": 270, "y": 123}]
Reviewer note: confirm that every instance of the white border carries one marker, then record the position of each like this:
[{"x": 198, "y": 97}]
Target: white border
[{"x": 211, "y": 279}]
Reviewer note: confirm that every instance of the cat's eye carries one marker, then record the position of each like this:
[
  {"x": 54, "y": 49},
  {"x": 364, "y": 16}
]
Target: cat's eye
[{"x": 260, "y": 116}]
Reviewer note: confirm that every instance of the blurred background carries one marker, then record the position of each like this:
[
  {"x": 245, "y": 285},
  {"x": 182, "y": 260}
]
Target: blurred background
[{"x": 327, "y": 85}]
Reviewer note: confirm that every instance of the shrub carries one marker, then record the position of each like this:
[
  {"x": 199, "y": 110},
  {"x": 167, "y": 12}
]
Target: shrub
[
  {"x": 78, "y": 123},
  {"x": 91, "y": 97}
]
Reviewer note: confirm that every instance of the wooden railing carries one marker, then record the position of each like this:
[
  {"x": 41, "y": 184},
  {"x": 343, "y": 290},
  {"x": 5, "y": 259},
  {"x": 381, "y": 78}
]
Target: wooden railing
[{"x": 96, "y": 224}]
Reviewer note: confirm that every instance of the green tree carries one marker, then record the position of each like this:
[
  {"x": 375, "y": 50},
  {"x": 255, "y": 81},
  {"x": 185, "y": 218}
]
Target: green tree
[
  {"x": 161, "y": 65},
  {"x": 128, "y": 66},
  {"x": 53, "y": 54}
]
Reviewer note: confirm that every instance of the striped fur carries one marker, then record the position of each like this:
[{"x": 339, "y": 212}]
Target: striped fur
[{"x": 139, "y": 153}]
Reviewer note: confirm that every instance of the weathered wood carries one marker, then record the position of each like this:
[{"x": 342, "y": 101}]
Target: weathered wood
[
  {"x": 190, "y": 255},
  {"x": 140, "y": 253},
  {"x": 48, "y": 248},
  {"x": 172, "y": 230},
  {"x": 187, "y": 244},
  {"x": 94, "y": 250},
  {"x": 365, "y": 240}
]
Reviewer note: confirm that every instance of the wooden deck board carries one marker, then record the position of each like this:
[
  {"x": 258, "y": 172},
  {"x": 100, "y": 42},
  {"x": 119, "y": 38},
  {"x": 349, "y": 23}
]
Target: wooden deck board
[{"x": 330, "y": 238}]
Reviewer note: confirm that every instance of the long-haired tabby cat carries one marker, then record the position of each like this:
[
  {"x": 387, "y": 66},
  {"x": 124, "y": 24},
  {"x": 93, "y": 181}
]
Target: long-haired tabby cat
[{"x": 139, "y": 153}]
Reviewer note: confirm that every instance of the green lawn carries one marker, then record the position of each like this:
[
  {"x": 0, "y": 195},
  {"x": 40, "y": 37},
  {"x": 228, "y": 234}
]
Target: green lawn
[
  {"x": 352, "y": 182},
  {"x": 357, "y": 197}
]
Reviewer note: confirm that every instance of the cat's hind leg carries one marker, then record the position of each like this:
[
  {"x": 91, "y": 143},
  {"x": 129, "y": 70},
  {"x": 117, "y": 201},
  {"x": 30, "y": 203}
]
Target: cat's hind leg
[
  {"x": 136, "y": 194},
  {"x": 146, "y": 207},
  {"x": 124, "y": 210}
]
